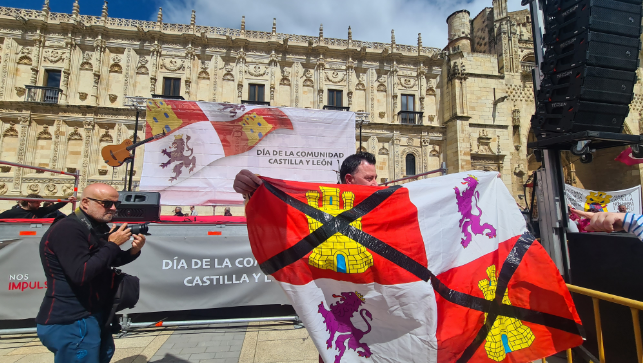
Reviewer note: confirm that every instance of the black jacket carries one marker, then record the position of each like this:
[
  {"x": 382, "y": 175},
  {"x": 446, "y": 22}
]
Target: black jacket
[
  {"x": 30, "y": 214},
  {"x": 77, "y": 265}
]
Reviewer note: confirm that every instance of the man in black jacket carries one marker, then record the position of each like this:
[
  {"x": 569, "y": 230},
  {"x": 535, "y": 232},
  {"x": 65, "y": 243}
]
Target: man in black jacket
[
  {"x": 30, "y": 210},
  {"x": 77, "y": 254}
]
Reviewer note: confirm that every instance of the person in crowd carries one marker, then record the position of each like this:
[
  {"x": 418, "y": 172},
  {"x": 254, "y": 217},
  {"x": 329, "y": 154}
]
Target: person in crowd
[
  {"x": 622, "y": 208},
  {"x": 178, "y": 212},
  {"x": 30, "y": 210},
  {"x": 226, "y": 212},
  {"x": 54, "y": 214},
  {"x": 356, "y": 169},
  {"x": 613, "y": 222},
  {"x": 193, "y": 211},
  {"x": 77, "y": 255}
]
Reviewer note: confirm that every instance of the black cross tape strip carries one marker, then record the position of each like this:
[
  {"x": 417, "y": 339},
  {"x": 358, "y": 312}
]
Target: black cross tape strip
[
  {"x": 330, "y": 226},
  {"x": 341, "y": 224}
]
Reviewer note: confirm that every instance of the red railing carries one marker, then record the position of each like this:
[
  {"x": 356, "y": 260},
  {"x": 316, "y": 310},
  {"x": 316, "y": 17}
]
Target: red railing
[{"x": 76, "y": 176}]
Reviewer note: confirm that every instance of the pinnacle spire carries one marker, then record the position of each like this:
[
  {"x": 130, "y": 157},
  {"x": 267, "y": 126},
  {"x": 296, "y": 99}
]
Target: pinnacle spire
[
  {"x": 350, "y": 33},
  {"x": 419, "y": 40},
  {"x": 393, "y": 36},
  {"x": 159, "y": 17},
  {"x": 243, "y": 23},
  {"x": 321, "y": 31},
  {"x": 45, "y": 7},
  {"x": 193, "y": 19},
  {"x": 104, "y": 12},
  {"x": 75, "y": 9},
  {"x": 274, "y": 26}
]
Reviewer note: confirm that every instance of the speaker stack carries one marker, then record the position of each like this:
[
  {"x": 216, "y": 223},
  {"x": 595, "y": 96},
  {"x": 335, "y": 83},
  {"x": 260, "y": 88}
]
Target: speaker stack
[{"x": 589, "y": 66}]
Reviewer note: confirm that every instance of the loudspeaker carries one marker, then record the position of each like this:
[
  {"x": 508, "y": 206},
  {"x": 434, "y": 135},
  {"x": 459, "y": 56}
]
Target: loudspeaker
[
  {"x": 591, "y": 56},
  {"x": 557, "y": 5},
  {"x": 138, "y": 207},
  {"x": 588, "y": 84},
  {"x": 604, "y": 16},
  {"x": 576, "y": 116},
  {"x": 592, "y": 49}
]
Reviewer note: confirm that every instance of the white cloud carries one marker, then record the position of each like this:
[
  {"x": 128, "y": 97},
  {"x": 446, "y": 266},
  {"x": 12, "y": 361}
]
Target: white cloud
[{"x": 370, "y": 20}]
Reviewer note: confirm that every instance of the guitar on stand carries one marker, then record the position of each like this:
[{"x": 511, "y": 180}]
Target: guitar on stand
[{"x": 116, "y": 155}]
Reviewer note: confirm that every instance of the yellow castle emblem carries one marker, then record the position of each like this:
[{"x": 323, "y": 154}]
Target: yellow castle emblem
[
  {"x": 338, "y": 253},
  {"x": 160, "y": 117},
  {"x": 255, "y": 127},
  {"x": 507, "y": 334},
  {"x": 598, "y": 200}
]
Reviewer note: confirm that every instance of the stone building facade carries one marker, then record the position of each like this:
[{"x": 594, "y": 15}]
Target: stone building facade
[{"x": 468, "y": 105}]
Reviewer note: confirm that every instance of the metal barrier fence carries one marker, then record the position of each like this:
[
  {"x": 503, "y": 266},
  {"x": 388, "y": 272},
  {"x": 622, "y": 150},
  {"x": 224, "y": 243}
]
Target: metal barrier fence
[
  {"x": 76, "y": 176},
  {"x": 443, "y": 170},
  {"x": 634, "y": 306}
]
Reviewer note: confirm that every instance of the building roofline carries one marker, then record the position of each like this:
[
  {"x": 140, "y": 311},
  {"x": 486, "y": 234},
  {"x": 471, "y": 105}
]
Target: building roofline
[
  {"x": 457, "y": 12},
  {"x": 481, "y": 11}
]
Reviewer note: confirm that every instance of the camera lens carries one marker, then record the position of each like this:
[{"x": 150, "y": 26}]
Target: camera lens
[{"x": 139, "y": 229}]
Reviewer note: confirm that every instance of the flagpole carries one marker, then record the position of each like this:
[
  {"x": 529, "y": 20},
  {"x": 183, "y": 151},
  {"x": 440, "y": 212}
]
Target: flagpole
[{"x": 135, "y": 103}]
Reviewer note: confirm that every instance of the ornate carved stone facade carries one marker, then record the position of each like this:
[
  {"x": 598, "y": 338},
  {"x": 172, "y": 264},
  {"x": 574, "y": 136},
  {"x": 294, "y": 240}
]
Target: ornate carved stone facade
[{"x": 474, "y": 95}]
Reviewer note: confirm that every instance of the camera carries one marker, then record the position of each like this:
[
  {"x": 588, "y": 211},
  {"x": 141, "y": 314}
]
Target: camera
[{"x": 137, "y": 228}]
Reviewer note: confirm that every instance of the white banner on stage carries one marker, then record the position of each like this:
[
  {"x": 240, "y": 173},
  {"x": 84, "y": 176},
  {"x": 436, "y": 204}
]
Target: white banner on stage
[
  {"x": 584, "y": 199},
  {"x": 206, "y": 144}
]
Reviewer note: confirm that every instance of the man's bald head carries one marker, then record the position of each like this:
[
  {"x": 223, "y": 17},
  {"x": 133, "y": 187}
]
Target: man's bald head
[
  {"x": 93, "y": 198},
  {"x": 99, "y": 191}
]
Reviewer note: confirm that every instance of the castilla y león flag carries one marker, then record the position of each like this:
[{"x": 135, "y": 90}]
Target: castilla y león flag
[
  {"x": 437, "y": 270},
  {"x": 207, "y": 143}
]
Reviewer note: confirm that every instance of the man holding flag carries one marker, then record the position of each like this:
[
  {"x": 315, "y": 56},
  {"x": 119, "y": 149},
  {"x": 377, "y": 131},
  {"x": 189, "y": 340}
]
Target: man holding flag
[{"x": 440, "y": 270}]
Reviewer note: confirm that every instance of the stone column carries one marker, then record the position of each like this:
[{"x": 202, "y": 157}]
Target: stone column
[
  {"x": 241, "y": 63},
  {"x": 39, "y": 41},
  {"x": 189, "y": 59},
  {"x": 53, "y": 164},
  {"x": 64, "y": 97},
  {"x": 25, "y": 122},
  {"x": 88, "y": 126},
  {"x": 99, "y": 49},
  {"x": 272, "y": 63},
  {"x": 296, "y": 67},
  {"x": 154, "y": 57},
  {"x": 321, "y": 65},
  {"x": 215, "y": 77},
  {"x": 126, "y": 72}
]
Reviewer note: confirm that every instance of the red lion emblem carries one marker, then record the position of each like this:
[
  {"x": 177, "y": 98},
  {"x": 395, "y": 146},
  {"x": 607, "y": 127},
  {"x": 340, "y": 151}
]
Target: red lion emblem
[{"x": 177, "y": 155}]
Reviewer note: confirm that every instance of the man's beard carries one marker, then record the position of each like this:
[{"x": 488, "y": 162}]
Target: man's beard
[{"x": 107, "y": 217}]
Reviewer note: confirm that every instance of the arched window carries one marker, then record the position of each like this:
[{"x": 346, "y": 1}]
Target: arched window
[{"x": 410, "y": 164}]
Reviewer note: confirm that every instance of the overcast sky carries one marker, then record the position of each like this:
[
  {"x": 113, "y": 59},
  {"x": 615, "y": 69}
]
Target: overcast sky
[{"x": 370, "y": 20}]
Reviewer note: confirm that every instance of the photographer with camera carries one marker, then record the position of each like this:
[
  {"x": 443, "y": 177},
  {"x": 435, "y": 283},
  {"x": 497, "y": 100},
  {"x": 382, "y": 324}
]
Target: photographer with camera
[{"x": 78, "y": 254}]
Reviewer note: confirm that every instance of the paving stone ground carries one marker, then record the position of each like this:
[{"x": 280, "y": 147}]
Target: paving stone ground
[{"x": 267, "y": 342}]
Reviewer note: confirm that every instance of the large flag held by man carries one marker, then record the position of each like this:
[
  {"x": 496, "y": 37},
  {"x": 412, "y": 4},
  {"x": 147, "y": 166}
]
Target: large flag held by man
[
  {"x": 437, "y": 270},
  {"x": 206, "y": 144}
]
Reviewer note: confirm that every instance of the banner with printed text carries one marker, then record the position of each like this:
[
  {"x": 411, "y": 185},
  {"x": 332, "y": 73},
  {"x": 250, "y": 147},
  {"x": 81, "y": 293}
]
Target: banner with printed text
[
  {"x": 176, "y": 273},
  {"x": 584, "y": 199},
  {"x": 206, "y": 144}
]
